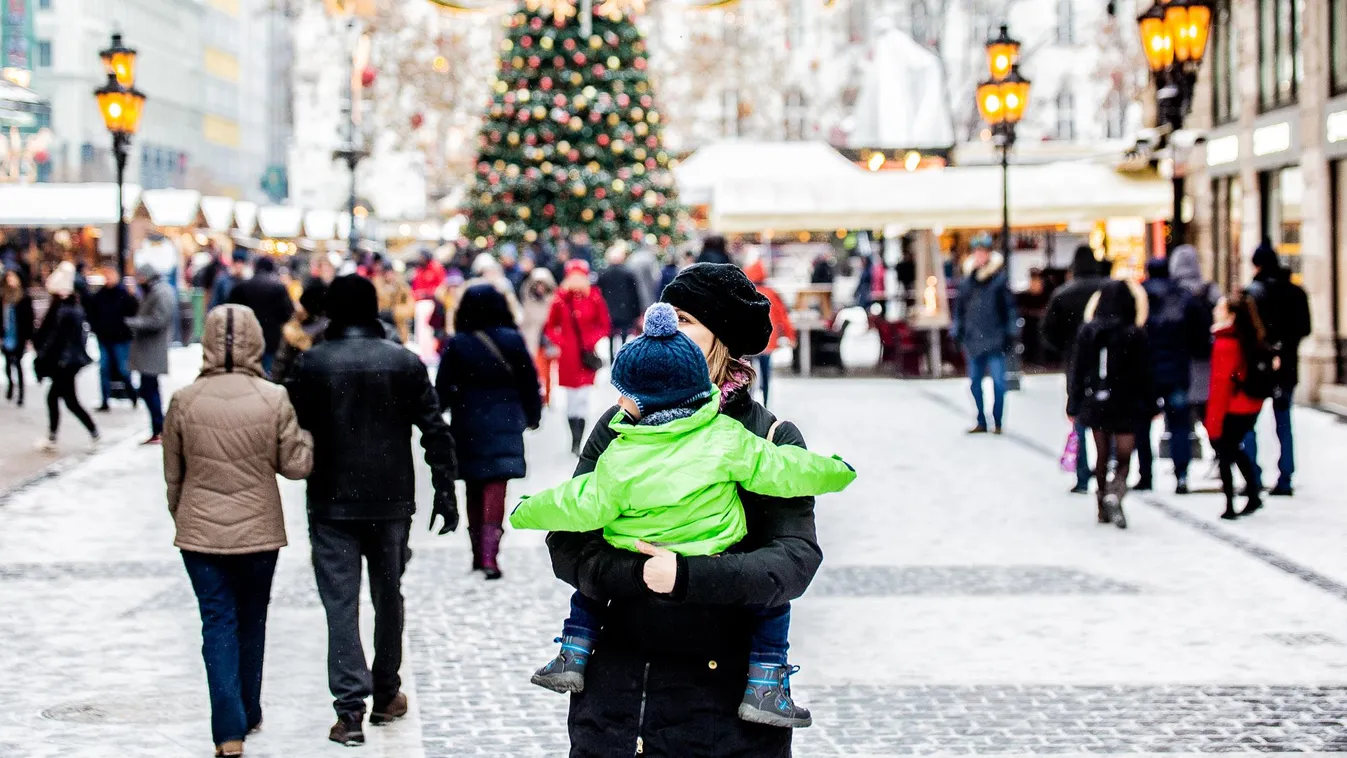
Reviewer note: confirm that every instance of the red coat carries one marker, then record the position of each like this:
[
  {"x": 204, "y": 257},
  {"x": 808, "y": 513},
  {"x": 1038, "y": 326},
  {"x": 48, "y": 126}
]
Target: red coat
[
  {"x": 428, "y": 278},
  {"x": 780, "y": 315},
  {"x": 576, "y": 322},
  {"x": 1227, "y": 363}
]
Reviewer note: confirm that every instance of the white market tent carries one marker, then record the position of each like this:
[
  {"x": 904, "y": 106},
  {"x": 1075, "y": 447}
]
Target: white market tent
[
  {"x": 902, "y": 100},
  {"x": 750, "y": 161},
  {"x": 64, "y": 205},
  {"x": 957, "y": 197}
]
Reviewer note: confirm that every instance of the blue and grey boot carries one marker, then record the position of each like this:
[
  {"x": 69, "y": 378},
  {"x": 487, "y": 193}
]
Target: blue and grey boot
[
  {"x": 767, "y": 698},
  {"x": 566, "y": 672}
]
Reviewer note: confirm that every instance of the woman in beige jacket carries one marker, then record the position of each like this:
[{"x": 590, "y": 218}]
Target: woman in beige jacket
[{"x": 226, "y": 437}]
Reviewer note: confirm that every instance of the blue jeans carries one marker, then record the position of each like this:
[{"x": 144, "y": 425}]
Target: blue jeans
[
  {"x": 979, "y": 367},
  {"x": 1286, "y": 462},
  {"x": 112, "y": 358},
  {"x": 1083, "y": 471},
  {"x": 771, "y": 630},
  {"x": 1179, "y": 424},
  {"x": 268, "y": 360},
  {"x": 233, "y": 592},
  {"x": 765, "y": 374},
  {"x": 149, "y": 392}
]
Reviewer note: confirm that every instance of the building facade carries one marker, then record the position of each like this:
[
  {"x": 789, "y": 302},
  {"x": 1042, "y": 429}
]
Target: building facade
[{"x": 1272, "y": 97}]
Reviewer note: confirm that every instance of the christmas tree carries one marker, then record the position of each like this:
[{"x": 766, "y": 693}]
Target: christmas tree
[{"x": 571, "y": 140}]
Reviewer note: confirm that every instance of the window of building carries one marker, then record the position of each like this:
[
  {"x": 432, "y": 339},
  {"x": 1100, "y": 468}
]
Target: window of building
[
  {"x": 44, "y": 5},
  {"x": 1283, "y": 194},
  {"x": 1115, "y": 116},
  {"x": 797, "y": 115},
  {"x": 1337, "y": 44},
  {"x": 1227, "y": 220},
  {"x": 1280, "y": 68},
  {"x": 44, "y": 54},
  {"x": 730, "y": 112},
  {"x": 1066, "y": 115},
  {"x": 1225, "y": 64},
  {"x": 1066, "y": 23}
]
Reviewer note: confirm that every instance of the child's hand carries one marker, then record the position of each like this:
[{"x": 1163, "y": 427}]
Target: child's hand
[{"x": 661, "y": 569}]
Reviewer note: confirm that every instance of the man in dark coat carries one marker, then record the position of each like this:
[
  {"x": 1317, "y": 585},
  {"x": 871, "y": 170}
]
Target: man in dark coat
[
  {"x": 1176, "y": 329},
  {"x": 360, "y": 395},
  {"x": 1061, "y": 324},
  {"x": 1285, "y": 311},
  {"x": 984, "y": 324},
  {"x": 225, "y": 280},
  {"x": 107, "y": 309},
  {"x": 270, "y": 302},
  {"x": 622, "y": 293},
  {"x": 714, "y": 250}
]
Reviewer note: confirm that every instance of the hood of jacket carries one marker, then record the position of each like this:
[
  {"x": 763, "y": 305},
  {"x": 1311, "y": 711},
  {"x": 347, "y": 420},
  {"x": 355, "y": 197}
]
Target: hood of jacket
[
  {"x": 1138, "y": 294},
  {"x": 994, "y": 265},
  {"x": 1185, "y": 269},
  {"x": 1083, "y": 263},
  {"x": 232, "y": 342}
]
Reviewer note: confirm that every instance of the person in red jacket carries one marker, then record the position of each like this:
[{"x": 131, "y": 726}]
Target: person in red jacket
[
  {"x": 428, "y": 278},
  {"x": 575, "y": 324},
  {"x": 782, "y": 328},
  {"x": 1230, "y": 412}
]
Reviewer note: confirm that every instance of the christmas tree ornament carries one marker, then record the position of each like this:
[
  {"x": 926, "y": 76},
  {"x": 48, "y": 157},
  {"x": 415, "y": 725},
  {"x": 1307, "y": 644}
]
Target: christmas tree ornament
[
  {"x": 546, "y": 43},
  {"x": 600, "y": 193},
  {"x": 587, "y": 215}
]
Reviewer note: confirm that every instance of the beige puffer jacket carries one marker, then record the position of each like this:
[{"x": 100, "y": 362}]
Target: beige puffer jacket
[{"x": 226, "y": 437}]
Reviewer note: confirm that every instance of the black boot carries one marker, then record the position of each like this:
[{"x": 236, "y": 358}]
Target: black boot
[
  {"x": 566, "y": 672},
  {"x": 1104, "y": 516},
  {"x": 491, "y": 534},
  {"x": 577, "y": 435},
  {"x": 767, "y": 698},
  {"x": 1253, "y": 506},
  {"x": 475, "y": 539}
]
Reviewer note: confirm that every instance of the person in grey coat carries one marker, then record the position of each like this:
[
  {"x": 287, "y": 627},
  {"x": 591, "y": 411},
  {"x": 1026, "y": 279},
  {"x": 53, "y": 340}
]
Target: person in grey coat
[
  {"x": 1185, "y": 270},
  {"x": 151, "y": 330},
  {"x": 984, "y": 324}
]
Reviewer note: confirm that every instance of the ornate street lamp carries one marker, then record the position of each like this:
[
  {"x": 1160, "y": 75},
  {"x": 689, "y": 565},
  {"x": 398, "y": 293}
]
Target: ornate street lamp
[
  {"x": 121, "y": 105},
  {"x": 1174, "y": 38},
  {"x": 1001, "y": 101}
]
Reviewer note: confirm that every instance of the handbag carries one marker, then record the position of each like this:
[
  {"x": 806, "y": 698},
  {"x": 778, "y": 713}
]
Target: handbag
[
  {"x": 1070, "y": 453},
  {"x": 588, "y": 358}
]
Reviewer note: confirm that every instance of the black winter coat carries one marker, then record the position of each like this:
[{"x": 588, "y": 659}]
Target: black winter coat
[
  {"x": 669, "y": 670},
  {"x": 59, "y": 342},
  {"x": 985, "y": 318},
  {"x": 270, "y": 302},
  {"x": 360, "y": 395},
  {"x": 491, "y": 402},
  {"x": 1130, "y": 400},
  {"x": 1178, "y": 330},
  {"x": 108, "y": 309},
  {"x": 1066, "y": 311},
  {"x": 622, "y": 293},
  {"x": 1285, "y": 311}
]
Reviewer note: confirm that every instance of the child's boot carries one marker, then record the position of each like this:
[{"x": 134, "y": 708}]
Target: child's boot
[
  {"x": 767, "y": 698},
  {"x": 566, "y": 672}
]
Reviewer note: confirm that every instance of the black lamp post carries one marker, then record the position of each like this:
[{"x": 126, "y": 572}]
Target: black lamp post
[
  {"x": 1174, "y": 38},
  {"x": 1001, "y": 101},
  {"x": 121, "y": 105}
]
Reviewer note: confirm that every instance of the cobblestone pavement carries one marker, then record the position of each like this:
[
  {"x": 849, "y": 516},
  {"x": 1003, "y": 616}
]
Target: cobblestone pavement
[{"x": 967, "y": 605}]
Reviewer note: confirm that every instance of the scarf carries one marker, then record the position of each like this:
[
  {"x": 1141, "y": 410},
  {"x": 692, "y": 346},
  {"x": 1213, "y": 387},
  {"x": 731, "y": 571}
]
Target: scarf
[{"x": 739, "y": 381}]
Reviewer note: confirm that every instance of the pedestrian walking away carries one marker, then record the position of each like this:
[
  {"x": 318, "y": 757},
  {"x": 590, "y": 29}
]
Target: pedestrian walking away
[
  {"x": 305, "y": 329},
  {"x": 622, "y": 294},
  {"x": 714, "y": 250},
  {"x": 1110, "y": 387},
  {"x": 488, "y": 383},
  {"x": 984, "y": 325},
  {"x": 539, "y": 289},
  {"x": 151, "y": 330},
  {"x": 677, "y": 629},
  {"x": 270, "y": 302},
  {"x": 360, "y": 395},
  {"x": 1062, "y": 322},
  {"x": 783, "y": 331},
  {"x": 226, "y": 437},
  {"x": 60, "y": 354},
  {"x": 576, "y": 322},
  {"x": 16, "y": 329},
  {"x": 1284, "y": 310},
  {"x": 108, "y": 307},
  {"x": 1237, "y": 394},
  {"x": 671, "y": 478}
]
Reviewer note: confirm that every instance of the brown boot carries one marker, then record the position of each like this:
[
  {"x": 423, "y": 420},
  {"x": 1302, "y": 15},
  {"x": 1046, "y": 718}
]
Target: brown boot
[
  {"x": 349, "y": 730},
  {"x": 230, "y": 748},
  {"x": 389, "y": 712}
]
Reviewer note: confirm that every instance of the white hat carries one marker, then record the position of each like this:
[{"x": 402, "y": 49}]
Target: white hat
[{"x": 61, "y": 282}]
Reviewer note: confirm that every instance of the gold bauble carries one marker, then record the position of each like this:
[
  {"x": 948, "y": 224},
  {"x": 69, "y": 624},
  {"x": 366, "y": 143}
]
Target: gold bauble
[
  {"x": 539, "y": 112},
  {"x": 635, "y": 213},
  {"x": 506, "y": 45},
  {"x": 613, "y": 63},
  {"x": 479, "y": 241},
  {"x": 619, "y": 146},
  {"x": 637, "y": 114},
  {"x": 638, "y": 169},
  {"x": 499, "y": 165},
  {"x": 578, "y": 189},
  {"x": 576, "y": 78},
  {"x": 517, "y": 62},
  {"x": 523, "y": 212},
  {"x": 498, "y": 227},
  {"x": 638, "y": 153},
  {"x": 652, "y": 117},
  {"x": 546, "y": 167},
  {"x": 587, "y": 214},
  {"x": 563, "y": 147},
  {"x": 595, "y": 42},
  {"x": 484, "y": 198},
  {"x": 580, "y": 102},
  {"x": 614, "y": 119},
  {"x": 592, "y": 167},
  {"x": 523, "y": 95},
  {"x": 500, "y": 86},
  {"x": 530, "y": 235},
  {"x": 641, "y": 129},
  {"x": 545, "y": 43},
  {"x": 512, "y": 138},
  {"x": 575, "y": 124},
  {"x": 663, "y": 219},
  {"x": 619, "y": 185}
]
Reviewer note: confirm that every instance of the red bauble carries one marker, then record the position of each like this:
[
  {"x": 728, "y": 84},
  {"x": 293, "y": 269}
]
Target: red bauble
[
  {"x": 507, "y": 111},
  {"x": 545, "y": 83},
  {"x": 664, "y": 240},
  {"x": 650, "y": 164},
  {"x": 508, "y": 97},
  {"x": 637, "y": 190},
  {"x": 41, "y": 156},
  {"x": 651, "y": 142},
  {"x": 554, "y": 230},
  {"x": 603, "y": 140},
  {"x": 367, "y": 76},
  {"x": 558, "y": 62},
  {"x": 609, "y": 215},
  {"x": 639, "y": 63},
  {"x": 526, "y": 41},
  {"x": 536, "y": 23},
  {"x": 598, "y": 69},
  {"x": 637, "y": 236},
  {"x": 579, "y": 59},
  {"x": 495, "y": 136},
  {"x": 483, "y": 167},
  {"x": 569, "y": 44},
  {"x": 507, "y": 197},
  {"x": 535, "y": 61},
  {"x": 417, "y": 120},
  {"x": 573, "y": 156},
  {"x": 559, "y": 101},
  {"x": 493, "y": 178},
  {"x": 594, "y": 117},
  {"x": 530, "y": 139},
  {"x": 549, "y": 210},
  {"x": 623, "y": 101},
  {"x": 600, "y": 193},
  {"x": 647, "y": 101}
]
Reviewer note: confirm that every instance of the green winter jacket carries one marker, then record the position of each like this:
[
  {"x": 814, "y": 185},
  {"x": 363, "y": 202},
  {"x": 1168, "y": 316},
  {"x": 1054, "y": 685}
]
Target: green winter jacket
[{"x": 675, "y": 485}]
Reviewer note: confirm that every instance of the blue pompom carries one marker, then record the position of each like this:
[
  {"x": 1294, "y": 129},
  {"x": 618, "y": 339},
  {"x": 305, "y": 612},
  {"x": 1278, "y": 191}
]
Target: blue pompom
[{"x": 661, "y": 321}]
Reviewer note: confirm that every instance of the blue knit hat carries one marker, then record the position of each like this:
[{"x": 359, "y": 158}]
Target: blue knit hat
[{"x": 661, "y": 369}]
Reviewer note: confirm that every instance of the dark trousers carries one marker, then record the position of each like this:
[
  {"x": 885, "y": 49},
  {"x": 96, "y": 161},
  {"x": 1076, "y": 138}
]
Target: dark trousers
[
  {"x": 338, "y": 547},
  {"x": 618, "y": 337},
  {"x": 1179, "y": 424},
  {"x": 112, "y": 362},
  {"x": 979, "y": 368},
  {"x": 1083, "y": 470},
  {"x": 771, "y": 628},
  {"x": 1230, "y": 454},
  {"x": 765, "y": 374},
  {"x": 14, "y": 373},
  {"x": 149, "y": 392},
  {"x": 1286, "y": 461},
  {"x": 233, "y": 592},
  {"x": 63, "y": 390}
]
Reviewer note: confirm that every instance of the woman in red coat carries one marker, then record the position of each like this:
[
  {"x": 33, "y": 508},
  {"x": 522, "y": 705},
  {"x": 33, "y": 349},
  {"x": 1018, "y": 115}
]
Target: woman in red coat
[
  {"x": 576, "y": 323},
  {"x": 1230, "y": 412}
]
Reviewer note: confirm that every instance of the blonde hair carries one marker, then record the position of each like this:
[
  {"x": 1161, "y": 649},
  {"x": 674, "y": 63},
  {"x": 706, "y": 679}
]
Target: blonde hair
[{"x": 718, "y": 363}]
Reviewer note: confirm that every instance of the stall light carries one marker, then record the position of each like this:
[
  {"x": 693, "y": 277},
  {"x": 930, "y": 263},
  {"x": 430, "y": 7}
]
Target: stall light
[
  {"x": 912, "y": 160},
  {"x": 841, "y": 233},
  {"x": 876, "y": 161},
  {"x": 803, "y": 236},
  {"x": 404, "y": 230}
]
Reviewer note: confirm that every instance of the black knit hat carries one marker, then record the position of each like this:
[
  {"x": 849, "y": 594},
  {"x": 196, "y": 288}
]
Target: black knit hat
[
  {"x": 721, "y": 297},
  {"x": 352, "y": 301}
]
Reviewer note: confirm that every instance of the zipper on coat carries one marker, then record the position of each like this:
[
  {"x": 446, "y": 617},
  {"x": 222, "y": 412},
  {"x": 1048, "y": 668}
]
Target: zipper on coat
[{"x": 640, "y": 718}]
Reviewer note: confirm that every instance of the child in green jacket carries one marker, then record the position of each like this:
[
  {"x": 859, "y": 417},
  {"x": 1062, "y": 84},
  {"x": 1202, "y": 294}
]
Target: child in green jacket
[{"x": 672, "y": 479}]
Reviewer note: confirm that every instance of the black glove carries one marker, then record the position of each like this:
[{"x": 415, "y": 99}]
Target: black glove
[{"x": 446, "y": 507}]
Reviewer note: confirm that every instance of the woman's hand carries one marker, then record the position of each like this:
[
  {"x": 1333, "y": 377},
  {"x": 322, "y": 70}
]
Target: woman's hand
[{"x": 661, "y": 568}]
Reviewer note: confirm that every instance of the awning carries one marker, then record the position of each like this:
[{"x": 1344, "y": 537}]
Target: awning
[
  {"x": 172, "y": 207},
  {"x": 20, "y": 106},
  {"x": 957, "y": 197},
  {"x": 218, "y": 212},
  {"x": 320, "y": 225},
  {"x": 57, "y": 205},
  {"x": 746, "y": 160},
  {"x": 280, "y": 221}
]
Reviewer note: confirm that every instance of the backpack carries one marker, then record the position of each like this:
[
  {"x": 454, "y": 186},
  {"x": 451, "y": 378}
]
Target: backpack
[
  {"x": 1102, "y": 368},
  {"x": 1260, "y": 378}
]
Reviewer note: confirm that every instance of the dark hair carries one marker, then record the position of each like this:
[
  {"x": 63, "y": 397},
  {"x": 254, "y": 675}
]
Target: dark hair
[
  {"x": 264, "y": 265},
  {"x": 482, "y": 307},
  {"x": 1116, "y": 304},
  {"x": 1248, "y": 324},
  {"x": 314, "y": 299}
]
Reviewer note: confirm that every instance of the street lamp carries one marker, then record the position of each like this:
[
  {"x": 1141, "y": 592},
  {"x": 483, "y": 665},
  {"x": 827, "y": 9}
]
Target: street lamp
[
  {"x": 121, "y": 104},
  {"x": 1174, "y": 38},
  {"x": 1001, "y": 101}
]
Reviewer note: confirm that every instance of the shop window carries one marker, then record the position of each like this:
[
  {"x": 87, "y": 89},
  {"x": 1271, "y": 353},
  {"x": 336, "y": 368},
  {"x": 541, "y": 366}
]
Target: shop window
[
  {"x": 1283, "y": 200},
  {"x": 1227, "y": 223},
  {"x": 44, "y": 54},
  {"x": 1066, "y": 23},
  {"x": 1066, "y": 115},
  {"x": 1225, "y": 64},
  {"x": 1280, "y": 67},
  {"x": 1337, "y": 44},
  {"x": 1115, "y": 116}
]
